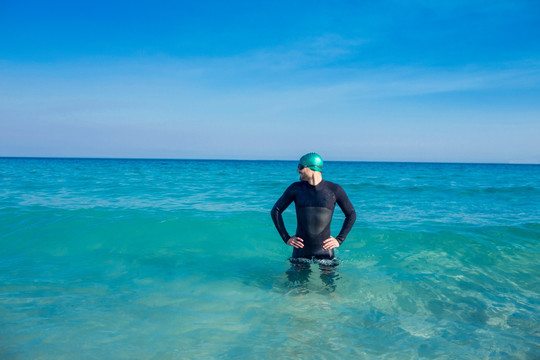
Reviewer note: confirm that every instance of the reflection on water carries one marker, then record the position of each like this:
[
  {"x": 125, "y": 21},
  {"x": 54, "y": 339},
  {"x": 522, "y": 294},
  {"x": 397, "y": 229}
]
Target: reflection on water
[{"x": 300, "y": 272}]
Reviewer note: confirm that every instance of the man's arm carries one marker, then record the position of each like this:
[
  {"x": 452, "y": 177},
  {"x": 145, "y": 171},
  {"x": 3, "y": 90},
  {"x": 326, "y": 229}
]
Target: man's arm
[
  {"x": 283, "y": 202},
  {"x": 350, "y": 214}
]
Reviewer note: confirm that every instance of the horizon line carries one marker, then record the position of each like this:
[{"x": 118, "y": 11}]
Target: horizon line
[{"x": 222, "y": 159}]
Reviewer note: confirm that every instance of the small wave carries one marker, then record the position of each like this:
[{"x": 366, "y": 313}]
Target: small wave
[{"x": 500, "y": 190}]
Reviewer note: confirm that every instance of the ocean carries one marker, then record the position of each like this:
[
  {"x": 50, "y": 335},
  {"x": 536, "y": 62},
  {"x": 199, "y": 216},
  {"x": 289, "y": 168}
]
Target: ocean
[{"x": 179, "y": 259}]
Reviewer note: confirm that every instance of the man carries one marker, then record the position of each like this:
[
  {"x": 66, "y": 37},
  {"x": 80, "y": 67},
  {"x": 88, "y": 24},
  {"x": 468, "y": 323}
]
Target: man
[{"x": 314, "y": 200}]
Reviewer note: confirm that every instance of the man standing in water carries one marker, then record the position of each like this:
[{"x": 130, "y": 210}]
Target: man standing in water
[{"x": 314, "y": 200}]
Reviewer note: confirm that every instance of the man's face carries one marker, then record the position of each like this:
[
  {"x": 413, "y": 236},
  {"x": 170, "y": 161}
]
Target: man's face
[{"x": 305, "y": 173}]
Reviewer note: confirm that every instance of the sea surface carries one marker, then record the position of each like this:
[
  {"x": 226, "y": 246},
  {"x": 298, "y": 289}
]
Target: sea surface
[{"x": 179, "y": 259}]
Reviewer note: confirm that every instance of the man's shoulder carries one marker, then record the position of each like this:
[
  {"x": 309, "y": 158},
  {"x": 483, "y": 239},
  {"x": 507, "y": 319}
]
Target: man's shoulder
[
  {"x": 332, "y": 185},
  {"x": 336, "y": 188},
  {"x": 295, "y": 185}
]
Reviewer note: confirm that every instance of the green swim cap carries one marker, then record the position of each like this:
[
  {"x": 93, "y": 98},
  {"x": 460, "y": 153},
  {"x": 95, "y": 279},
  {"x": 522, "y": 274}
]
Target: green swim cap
[{"x": 312, "y": 161}]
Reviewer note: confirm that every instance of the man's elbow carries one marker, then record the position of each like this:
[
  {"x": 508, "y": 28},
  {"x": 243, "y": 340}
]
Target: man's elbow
[{"x": 274, "y": 212}]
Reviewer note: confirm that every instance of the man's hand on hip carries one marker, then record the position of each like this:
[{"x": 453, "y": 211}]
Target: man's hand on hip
[
  {"x": 330, "y": 243},
  {"x": 296, "y": 242}
]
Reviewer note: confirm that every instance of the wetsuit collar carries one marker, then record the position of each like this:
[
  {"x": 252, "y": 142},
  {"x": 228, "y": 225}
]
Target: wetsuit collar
[{"x": 315, "y": 186}]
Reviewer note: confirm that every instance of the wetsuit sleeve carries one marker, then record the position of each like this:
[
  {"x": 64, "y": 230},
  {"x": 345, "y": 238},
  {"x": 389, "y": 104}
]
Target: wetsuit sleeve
[
  {"x": 283, "y": 202},
  {"x": 350, "y": 214}
]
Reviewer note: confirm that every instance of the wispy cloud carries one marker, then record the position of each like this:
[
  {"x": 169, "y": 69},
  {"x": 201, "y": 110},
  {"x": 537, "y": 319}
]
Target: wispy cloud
[
  {"x": 169, "y": 107},
  {"x": 284, "y": 72},
  {"x": 240, "y": 83}
]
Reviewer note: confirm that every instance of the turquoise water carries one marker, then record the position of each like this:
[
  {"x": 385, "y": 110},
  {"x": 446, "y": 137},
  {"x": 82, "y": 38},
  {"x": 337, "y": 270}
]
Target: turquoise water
[{"x": 165, "y": 259}]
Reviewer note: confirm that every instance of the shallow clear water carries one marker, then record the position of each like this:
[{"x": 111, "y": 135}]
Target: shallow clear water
[{"x": 165, "y": 259}]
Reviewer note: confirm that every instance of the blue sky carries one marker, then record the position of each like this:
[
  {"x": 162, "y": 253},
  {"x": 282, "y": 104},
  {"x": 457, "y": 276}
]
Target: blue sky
[{"x": 449, "y": 81}]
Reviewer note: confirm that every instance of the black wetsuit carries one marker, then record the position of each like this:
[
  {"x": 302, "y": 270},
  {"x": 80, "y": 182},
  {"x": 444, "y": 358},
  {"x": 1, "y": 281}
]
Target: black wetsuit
[{"x": 314, "y": 209}]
